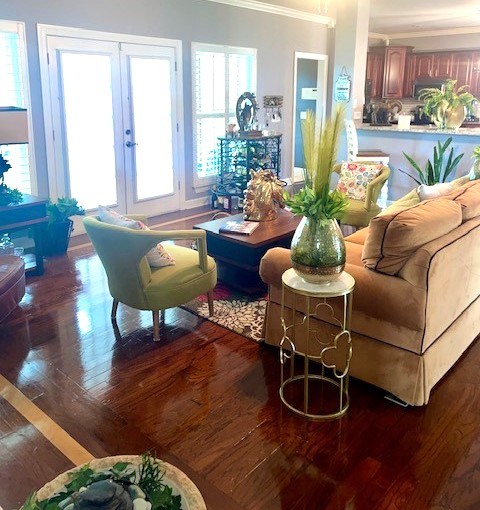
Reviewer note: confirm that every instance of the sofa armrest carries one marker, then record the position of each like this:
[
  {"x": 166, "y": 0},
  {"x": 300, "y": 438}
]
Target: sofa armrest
[{"x": 273, "y": 264}]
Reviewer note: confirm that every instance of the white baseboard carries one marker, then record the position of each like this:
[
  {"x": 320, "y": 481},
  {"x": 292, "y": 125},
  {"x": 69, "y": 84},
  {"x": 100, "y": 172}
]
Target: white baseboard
[{"x": 196, "y": 202}]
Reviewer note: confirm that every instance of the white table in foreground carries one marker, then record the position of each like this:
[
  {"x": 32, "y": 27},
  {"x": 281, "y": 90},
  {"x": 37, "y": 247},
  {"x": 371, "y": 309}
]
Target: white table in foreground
[{"x": 343, "y": 287}]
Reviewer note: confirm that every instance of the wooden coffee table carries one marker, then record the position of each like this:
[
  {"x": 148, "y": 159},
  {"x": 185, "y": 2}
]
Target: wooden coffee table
[{"x": 238, "y": 256}]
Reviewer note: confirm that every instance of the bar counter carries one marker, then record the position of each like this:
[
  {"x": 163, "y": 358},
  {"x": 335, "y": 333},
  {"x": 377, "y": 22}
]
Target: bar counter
[{"x": 418, "y": 142}]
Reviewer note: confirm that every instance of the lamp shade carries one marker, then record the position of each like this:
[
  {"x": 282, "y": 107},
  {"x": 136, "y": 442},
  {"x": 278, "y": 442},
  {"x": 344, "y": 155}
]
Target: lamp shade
[{"x": 13, "y": 125}]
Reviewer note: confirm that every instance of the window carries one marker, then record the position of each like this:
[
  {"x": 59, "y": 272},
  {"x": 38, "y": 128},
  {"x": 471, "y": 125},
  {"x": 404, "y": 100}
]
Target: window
[
  {"x": 220, "y": 75},
  {"x": 13, "y": 87}
]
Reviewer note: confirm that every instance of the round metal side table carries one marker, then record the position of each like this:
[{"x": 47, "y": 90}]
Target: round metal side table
[{"x": 323, "y": 350}]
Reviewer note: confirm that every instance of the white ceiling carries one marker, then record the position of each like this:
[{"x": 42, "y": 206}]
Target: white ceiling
[
  {"x": 404, "y": 16},
  {"x": 398, "y": 16}
]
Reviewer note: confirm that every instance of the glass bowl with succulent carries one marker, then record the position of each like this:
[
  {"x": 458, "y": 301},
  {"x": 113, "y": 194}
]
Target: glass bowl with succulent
[
  {"x": 448, "y": 105},
  {"x": 127, "y": 482},
  {"x": 318, "y": 249}
]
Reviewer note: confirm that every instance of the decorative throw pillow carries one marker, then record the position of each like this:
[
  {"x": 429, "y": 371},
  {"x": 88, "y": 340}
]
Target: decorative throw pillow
[
  {"x": 157, "y": 256},
  {"x": 434, "y": 191},
  {"x": 107, "y": 215},
  {"x": 354, "y": 178}
]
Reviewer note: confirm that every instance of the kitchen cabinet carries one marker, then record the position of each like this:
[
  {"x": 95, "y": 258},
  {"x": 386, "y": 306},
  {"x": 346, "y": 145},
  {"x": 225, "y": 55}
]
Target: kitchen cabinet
[
  {"x": 394, "y": 71},
  {"x": 475, "y": 79},
  {"x": 409, "y": 75},
  {"x": 442, "y": 65},
  {"x": 462, "y": 67},
  {"x": 374, "y": 73},
  {"x": 423, "y": 65}
]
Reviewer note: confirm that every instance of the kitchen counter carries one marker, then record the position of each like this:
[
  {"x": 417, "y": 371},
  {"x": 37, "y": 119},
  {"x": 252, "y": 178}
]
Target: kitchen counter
[
  {"x": 418, "y": 142},
  {"x": 426, "y": 128}
]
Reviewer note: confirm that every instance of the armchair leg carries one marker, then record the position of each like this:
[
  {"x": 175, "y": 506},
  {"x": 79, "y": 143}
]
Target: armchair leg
[
  {"x": 156, "y": 326},
  {"x": 210, "y": 303},
  {"x": 113, "y": 315}
]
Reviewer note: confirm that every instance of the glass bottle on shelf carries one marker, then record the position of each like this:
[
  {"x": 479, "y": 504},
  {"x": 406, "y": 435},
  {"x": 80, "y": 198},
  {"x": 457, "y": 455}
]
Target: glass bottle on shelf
[{"x": 6, "y": 245}]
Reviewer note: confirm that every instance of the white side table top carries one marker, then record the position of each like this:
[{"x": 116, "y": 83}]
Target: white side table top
[{"x": 340, "y": 287}]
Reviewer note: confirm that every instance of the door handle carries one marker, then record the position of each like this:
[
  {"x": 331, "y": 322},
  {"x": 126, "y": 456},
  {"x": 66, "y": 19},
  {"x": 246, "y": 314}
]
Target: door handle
[{"x": 130, "y": 144}]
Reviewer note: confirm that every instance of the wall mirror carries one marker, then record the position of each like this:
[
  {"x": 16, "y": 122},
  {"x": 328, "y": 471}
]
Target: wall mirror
[{"x": 310, "y": 92}]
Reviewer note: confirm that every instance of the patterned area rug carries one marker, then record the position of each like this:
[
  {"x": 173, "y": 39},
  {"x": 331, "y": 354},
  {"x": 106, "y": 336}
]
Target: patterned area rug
[{"x": 234, "y": 311}]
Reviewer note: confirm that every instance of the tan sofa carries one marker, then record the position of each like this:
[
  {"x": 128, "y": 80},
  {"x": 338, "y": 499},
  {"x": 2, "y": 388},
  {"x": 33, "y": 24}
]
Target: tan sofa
[{"x": 408, "y": 327}]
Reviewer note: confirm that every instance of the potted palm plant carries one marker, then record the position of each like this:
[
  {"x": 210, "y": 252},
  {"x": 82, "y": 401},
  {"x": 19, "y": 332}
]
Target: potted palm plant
[
  {"x": 447, "y": 106},
  {"x": 439, "y": 170},
  {"x": 318, "y": 248},
  {"x": 60, "y": 226}
]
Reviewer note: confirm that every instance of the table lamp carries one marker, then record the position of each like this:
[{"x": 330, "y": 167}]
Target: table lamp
[{"x": 13, "y": 129}]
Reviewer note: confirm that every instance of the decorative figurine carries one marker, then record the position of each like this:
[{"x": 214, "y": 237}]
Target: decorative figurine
[{"x": 262, "y": 196}]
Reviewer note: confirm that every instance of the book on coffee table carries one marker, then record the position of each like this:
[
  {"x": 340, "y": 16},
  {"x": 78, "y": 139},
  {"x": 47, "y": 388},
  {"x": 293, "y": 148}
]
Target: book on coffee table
[{"x": 238, "y": 227}]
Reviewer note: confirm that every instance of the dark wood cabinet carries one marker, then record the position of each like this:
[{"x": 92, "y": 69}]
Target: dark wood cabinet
[
  {"x": 374, "y": 73},
  {"x": 442, "y": 65},
  {"x": 423, "y": 65},
  {"x": 410, "y": 66},
  {"x": 394, "y": 71},
  {"x": 462, "y": 67},
  {"x": 475, "y": 76}
]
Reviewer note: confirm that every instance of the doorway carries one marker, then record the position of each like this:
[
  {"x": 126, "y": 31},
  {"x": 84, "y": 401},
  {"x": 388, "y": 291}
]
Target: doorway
[
  {"x": 113, "y": 115},
  {"x": 310, "y": 90}
]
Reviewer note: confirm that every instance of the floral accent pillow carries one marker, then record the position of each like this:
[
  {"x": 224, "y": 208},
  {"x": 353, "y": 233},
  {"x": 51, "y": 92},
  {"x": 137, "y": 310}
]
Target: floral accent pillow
[
  {"x": 354, "y": 178},
  {"x": 158, "y": 256}
]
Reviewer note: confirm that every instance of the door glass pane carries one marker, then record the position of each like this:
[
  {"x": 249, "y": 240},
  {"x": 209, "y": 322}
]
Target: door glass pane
[
  {"x": 87, "y": 90},
  {"x": 152, "y": 126}
]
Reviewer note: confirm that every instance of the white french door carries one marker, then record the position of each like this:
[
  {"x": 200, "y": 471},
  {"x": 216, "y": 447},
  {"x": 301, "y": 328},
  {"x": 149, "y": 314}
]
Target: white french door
[{"x": 114, "y": 123}]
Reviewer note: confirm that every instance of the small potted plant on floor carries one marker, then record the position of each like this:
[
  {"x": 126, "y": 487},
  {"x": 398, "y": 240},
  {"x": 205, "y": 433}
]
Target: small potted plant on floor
[
  {"x": 447, "y": 106},
  {"x": 60, "y": 226}
]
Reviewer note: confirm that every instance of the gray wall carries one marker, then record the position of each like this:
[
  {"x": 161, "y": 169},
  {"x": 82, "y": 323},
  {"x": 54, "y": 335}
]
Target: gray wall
[{"x": 275, "y": 37}]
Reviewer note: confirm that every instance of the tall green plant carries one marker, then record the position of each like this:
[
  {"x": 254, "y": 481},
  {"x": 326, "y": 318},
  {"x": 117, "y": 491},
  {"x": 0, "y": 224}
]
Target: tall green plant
[
  {"x": 320, "y": 146},
  {"x": 439, "y": 170}
]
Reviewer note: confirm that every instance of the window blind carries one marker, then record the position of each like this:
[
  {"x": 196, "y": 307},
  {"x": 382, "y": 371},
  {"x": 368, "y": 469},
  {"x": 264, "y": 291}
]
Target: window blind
[{"x": 12, "y": 94}]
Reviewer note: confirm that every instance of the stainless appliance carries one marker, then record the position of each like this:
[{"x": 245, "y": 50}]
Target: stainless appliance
[{"x": 426, "y": 83}]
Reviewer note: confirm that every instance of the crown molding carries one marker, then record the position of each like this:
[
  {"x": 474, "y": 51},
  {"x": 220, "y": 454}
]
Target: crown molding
[
  {"x": 433, "y": 33},
  {"x": 278, "y": 10},
  {"x": 375, "y": 35}
]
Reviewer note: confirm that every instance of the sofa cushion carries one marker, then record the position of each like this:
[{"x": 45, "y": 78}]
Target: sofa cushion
[
  {"x": 358, "y": 237},
  {"x": 393, "y": 238},
  {"x": 468, "y": 196}
]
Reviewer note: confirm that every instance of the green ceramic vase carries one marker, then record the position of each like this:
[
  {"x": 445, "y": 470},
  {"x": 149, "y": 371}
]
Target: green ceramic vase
[{"x": 318, "y": 250}]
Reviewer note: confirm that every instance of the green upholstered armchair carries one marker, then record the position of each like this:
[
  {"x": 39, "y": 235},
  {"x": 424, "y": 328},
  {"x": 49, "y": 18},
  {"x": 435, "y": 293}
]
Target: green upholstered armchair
[
  {"x": 133, "y": 282},
  {"x": 360, "y": 212}
]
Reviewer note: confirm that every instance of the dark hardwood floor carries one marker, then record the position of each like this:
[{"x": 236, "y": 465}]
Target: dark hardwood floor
[{"x": 206, "y": 400}]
